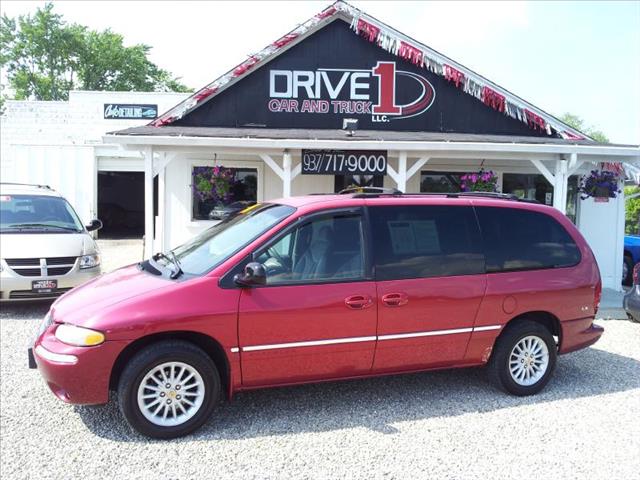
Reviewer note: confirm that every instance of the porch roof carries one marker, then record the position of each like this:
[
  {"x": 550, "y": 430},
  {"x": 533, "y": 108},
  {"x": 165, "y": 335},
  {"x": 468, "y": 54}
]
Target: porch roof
[{"x": 271, "y": 138}]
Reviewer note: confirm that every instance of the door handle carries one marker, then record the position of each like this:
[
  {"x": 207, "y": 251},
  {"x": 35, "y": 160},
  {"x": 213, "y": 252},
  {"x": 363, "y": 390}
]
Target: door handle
[
  {"x": 358, "y": 302},
  {"x": 395, "y": 299}
]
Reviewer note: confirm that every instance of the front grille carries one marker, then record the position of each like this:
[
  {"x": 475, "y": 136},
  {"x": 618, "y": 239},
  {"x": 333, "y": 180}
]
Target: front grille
[
  {"x": 61, "y": 261},
  {"x": 20, "y": 262},
  {"x": 30, "y": 267},
  {"x": 25, "y": 294},
  {"x": 58, "y": 270},
  {"x": 28, "y": 272}
]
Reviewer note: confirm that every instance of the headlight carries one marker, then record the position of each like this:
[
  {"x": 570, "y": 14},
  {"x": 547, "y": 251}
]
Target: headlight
[
  {"x": 89, "y": 261},
  {"x": 78, "y": 336}
]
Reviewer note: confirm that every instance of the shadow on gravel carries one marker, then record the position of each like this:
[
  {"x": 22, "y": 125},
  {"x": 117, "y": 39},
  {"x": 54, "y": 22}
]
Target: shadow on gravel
[
  {"x": 377, "y": 403},
  {"x": 25, "y": 310}
]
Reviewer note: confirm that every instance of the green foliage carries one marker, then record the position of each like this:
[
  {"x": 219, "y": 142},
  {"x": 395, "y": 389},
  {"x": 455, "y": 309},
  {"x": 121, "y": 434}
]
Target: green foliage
[
  {"x": 577, "y": 123},
  {"x": 44, "y": 57},
  {"x": 632, "y": 210}
]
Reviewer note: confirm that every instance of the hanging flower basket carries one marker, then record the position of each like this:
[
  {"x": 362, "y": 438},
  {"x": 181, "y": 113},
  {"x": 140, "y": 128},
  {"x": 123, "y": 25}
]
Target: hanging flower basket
[
  {"x": 214, "y": 183},
  {"x": 600, "y": 184},
  {"x": 480, "y": 181}
]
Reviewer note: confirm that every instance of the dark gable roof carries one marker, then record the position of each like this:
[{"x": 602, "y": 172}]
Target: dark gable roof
[
  {"x": 323, "y": 134},
  {"x": 396, "y": 43}
]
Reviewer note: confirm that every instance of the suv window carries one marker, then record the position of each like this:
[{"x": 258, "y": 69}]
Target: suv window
[
  {"x": 425, "y": 241},
  {"x": 517, "y": 239},
  {"x": 325, "y": 249}
]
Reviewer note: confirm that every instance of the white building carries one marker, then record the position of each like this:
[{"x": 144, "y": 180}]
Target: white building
[{"x": 431, "y": 118}]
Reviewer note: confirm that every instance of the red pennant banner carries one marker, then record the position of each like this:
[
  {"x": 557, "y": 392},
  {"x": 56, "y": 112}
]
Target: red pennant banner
[
  {"x": 245, "y": 67},
  {"x": 453, "y": 75},
  {"x": 327, "y": 13},
  {"x": 535, "y": 121},
  {"x": 204, "y": 93},
  {"x": 161, "y": 122},
  {"x": 285, "y": 40},
  {"x": 493, "y": 99},
  {"x": 410, "y": 53},
  {"x": 368, "y": 31}
]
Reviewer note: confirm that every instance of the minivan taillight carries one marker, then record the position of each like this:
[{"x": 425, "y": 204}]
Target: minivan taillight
[
  {"x": 598, "y": 296},
  {"x": 636, "y": 273}
]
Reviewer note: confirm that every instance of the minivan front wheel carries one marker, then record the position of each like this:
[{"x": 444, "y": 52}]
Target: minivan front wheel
[
  {"x": 523, "y": 359},
  {"x": 169, "y": 389}
]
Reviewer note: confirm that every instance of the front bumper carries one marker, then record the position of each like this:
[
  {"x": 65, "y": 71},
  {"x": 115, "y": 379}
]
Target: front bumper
[
  {"x": 15, "y": 287},
  {"x": 77, "y": 375}
]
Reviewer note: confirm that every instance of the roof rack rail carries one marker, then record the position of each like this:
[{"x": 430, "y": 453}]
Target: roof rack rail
[
  {"x": 376, "y": 190},
  {"x": 27, "y": 185},
  {"x": 496, "y": 195}
]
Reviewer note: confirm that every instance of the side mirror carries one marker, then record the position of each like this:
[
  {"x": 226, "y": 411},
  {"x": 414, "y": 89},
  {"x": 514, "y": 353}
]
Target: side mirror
[
  {"x": 254, "y": 274},
  {"x": 94, "y": 225}
]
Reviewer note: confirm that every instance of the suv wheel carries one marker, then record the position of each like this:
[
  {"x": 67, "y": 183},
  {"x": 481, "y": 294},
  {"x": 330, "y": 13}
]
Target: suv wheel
[
  {"x": 169, "y": 389},
  {"x": 523, "y": 359}
]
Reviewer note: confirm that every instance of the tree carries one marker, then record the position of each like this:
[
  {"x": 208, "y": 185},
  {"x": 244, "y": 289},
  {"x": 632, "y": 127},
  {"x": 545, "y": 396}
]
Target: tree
[
  {"x": 632, "y": 210},
  {"x": 44, "y": 58},
  {"x": 577, "y": 123}
]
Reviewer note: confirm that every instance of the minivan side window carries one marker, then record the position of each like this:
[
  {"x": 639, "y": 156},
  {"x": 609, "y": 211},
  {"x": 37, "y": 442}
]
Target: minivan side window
[
  {"x": 329, "y": 248},
  {"x": 516, "y": 239},
  {"x": 425, "y": 241}
]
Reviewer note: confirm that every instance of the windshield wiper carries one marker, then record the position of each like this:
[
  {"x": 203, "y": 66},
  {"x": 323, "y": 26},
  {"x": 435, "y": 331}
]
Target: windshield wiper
[
  {"x": 43, "y": 225},
  {"x": 173, "y": 259},
  {"x": 176, "y": 262}
]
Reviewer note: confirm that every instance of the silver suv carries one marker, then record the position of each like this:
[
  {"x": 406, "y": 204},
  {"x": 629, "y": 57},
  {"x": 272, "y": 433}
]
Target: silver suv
[{"x": 45, "y": 248}]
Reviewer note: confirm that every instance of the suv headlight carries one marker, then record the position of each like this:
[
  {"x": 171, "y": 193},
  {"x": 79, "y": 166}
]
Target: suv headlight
[
  {"x": 89, "y": 261},
  {"x": 79, "y": 336}
]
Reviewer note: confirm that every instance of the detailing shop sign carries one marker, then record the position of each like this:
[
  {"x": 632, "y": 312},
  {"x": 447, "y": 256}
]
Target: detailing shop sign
[{"x": 374, "y": 93}]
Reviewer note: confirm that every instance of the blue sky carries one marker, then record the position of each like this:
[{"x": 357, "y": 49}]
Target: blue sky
[{"x": 578, "y": 57}]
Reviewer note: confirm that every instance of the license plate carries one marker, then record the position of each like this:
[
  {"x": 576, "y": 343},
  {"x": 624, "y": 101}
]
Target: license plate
[{"x": 44, "y": 286}]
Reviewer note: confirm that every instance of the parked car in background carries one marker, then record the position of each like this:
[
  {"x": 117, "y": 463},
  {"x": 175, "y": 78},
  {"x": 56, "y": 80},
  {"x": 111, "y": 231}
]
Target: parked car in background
[
  {"x": 45, "y": 250},
  {"x": 631, "y": 257},
  {"x": 326, "y": 287},
  {"x": 222, "y": 211},
  {"x": 631, "y": 301}
]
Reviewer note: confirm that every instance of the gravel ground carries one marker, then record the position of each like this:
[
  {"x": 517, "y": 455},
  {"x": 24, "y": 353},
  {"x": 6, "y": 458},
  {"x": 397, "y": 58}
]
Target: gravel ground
[
  {"x": 117, "y": 253},
  {"x": 451, "y": 424}
]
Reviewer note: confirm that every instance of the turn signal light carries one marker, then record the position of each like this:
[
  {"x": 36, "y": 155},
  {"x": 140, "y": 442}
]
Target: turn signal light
[{"x": 79, "y": 336}]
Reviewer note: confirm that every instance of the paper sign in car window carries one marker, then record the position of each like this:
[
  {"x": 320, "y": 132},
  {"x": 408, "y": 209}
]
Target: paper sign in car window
[
  {"x": 426, "y": 236},
  {"x": 402, "y": 237}
]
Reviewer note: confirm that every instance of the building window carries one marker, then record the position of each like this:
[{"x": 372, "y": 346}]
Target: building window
[
  {"x": 218, "y": 191},
  {"x": 536, "y": 187},
  {"x": 440, "y": 182}
]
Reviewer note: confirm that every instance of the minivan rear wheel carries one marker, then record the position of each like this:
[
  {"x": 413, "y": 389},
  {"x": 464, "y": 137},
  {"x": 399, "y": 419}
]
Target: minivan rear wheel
[
  {"x": 169, "y": 389},
  {"x": 523, "y": 358}
]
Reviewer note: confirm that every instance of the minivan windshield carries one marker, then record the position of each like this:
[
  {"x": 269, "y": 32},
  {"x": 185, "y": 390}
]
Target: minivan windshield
[
  {"x": 213, "y": 246},
  {"x": 37, "y": 213}
]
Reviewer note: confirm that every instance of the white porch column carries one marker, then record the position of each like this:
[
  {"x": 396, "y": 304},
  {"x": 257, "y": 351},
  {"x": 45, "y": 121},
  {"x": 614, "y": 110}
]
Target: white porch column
[
  {"x": 286, "y": 174},
  {"x": 148, "y": 201},
  {"x": 162, "y": 208},
  {"x": 401, "y": 175},
  {"x": 561, "y": 178}
]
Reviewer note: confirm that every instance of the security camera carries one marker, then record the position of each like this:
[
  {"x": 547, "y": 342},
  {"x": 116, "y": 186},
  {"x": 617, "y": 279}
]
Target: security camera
[{"x": 350, "y": 124}]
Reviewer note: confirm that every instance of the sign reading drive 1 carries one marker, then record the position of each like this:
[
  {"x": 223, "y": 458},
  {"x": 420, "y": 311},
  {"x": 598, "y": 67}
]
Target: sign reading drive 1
[{"x": 341, "y": 162}]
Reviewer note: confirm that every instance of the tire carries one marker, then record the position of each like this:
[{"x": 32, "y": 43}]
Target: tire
[
  {"x": 628, "y": 266},
  {"x": 169, "y": 361},
  {"x": 511, "y": 341}
]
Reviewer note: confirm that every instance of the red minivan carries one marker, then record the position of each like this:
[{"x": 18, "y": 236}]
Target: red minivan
[{"x": 326, "y": 287}]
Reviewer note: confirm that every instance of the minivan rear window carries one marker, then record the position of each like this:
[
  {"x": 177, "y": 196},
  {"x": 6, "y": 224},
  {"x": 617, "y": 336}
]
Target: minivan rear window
[
  {"x": 516, "y": 239},
  {"x": 425, "y": 241}
]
